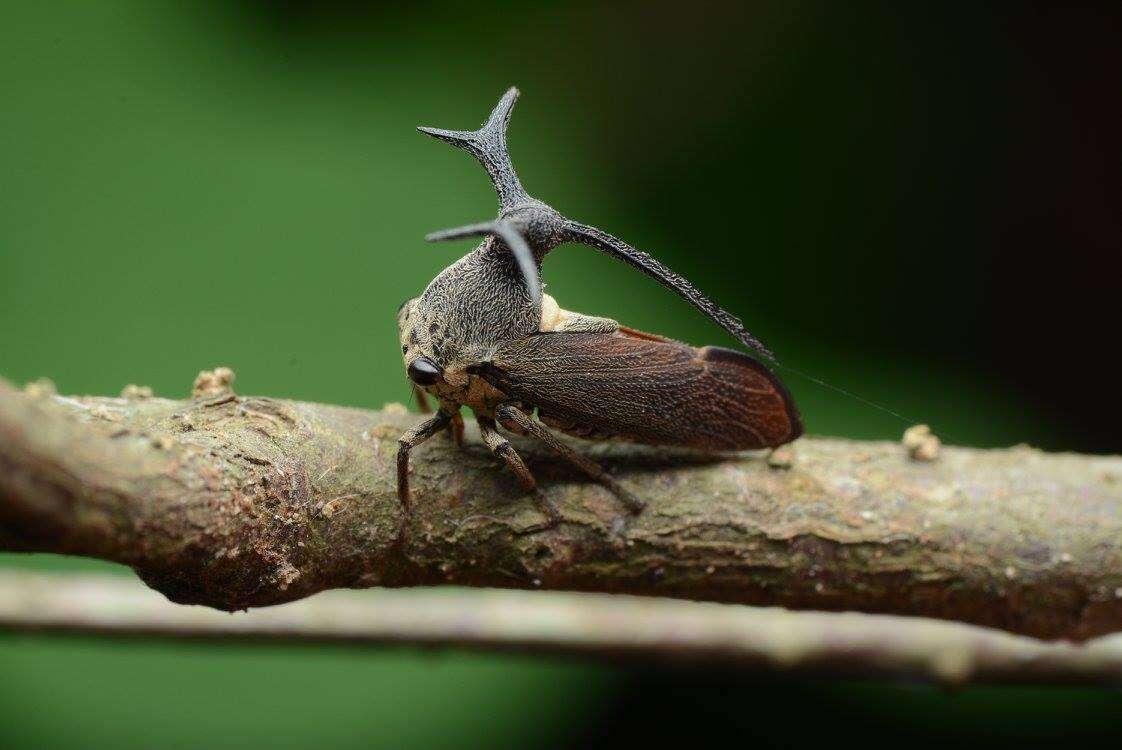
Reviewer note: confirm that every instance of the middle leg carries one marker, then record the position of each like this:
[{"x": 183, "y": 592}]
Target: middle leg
[
  {"x": 502, "y": 448},
  {"x": 520, "y": 421}
]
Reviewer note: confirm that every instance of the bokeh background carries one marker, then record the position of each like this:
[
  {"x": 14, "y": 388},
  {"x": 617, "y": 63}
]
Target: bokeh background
[{"x": 917, "y": 203}]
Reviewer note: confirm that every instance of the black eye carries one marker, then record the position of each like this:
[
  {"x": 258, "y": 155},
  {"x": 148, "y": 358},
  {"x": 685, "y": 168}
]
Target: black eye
[{"x": 423, "y": 371}]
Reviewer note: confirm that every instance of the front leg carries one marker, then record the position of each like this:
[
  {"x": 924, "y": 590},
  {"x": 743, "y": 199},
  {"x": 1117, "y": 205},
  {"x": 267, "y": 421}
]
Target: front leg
[
  {"x": 409, "y": 440},
  {"x": 455, "y": 427}
]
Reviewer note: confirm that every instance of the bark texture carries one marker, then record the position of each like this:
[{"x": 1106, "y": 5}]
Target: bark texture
[{"x": 234, "y": 502}]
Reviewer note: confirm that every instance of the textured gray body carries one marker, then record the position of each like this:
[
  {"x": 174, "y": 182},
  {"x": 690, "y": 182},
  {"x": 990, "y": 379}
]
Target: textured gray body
[{"x": 470, "y": 306}]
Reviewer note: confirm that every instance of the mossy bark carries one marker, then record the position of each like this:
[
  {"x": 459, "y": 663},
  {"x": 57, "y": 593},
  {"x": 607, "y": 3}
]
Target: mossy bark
[{"x": 235, "y": 502}]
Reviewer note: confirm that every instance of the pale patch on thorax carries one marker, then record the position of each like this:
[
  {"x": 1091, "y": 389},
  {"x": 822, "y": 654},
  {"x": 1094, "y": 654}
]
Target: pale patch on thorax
[{"x": 552, "y": 314}]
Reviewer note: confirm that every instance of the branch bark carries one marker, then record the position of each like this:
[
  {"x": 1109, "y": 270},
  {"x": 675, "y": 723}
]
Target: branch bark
[
  {"x": 235, "y": 502},
  {"x": 587, "y": 625}
]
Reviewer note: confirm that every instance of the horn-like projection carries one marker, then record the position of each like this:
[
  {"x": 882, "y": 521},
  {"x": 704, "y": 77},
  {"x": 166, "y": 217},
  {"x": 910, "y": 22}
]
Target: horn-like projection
[
  {"x": 616, "y": 248},
  {"x": 512, "y": 239},
  {"x": 488, "y": 145},
  {"x": 542, "y": 228}
]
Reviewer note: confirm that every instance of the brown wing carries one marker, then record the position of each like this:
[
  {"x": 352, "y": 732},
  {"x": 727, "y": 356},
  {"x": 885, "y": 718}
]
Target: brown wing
[{"x": 646, "y": 389}]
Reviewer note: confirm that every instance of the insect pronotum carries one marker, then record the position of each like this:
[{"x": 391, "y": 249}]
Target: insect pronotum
[{"x": 484, "y": 336}]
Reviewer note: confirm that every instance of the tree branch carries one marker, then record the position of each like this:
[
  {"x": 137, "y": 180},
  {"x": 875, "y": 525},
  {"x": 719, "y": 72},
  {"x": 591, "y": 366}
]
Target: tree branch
[
  {"x": 236, "y": 501},
  {"x": 590, "y": 625}
]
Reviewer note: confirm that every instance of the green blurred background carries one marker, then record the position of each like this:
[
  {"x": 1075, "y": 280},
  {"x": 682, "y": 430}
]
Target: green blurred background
[{"x": 919, "y": 204}]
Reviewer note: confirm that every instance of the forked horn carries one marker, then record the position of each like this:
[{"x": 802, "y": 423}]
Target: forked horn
[
  {"x": 526, "y": 225},
  {"x": 488, "y": 145}
]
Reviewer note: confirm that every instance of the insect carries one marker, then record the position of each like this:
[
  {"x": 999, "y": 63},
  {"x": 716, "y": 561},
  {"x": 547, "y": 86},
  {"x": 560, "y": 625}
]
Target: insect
[{"x": 485, "y": 336}]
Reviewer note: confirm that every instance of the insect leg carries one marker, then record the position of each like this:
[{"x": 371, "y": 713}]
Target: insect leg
[
  {"x": 422, "y": 400},
  {"x": 411, "y": 438},
  {"x": 508, "y": 414},
  {"x": 502, "y": 448},
  {"x": 456, "y": 430}
]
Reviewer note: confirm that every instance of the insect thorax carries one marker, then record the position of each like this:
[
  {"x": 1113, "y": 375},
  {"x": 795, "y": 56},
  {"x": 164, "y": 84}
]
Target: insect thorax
[{"x": 469, "y": 308}]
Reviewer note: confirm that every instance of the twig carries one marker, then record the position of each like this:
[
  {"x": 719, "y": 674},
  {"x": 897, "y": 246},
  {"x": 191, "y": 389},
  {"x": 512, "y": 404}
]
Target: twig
[
  {"x": 215, "y": 505},
  {"x": 591, "y": 625}
]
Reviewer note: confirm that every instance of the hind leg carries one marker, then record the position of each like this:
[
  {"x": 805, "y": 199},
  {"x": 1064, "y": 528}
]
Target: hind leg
[{"x": 519, "y": 421}]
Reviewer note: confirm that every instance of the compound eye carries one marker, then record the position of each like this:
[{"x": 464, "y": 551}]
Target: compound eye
[{"x": 423, "y": 371}]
